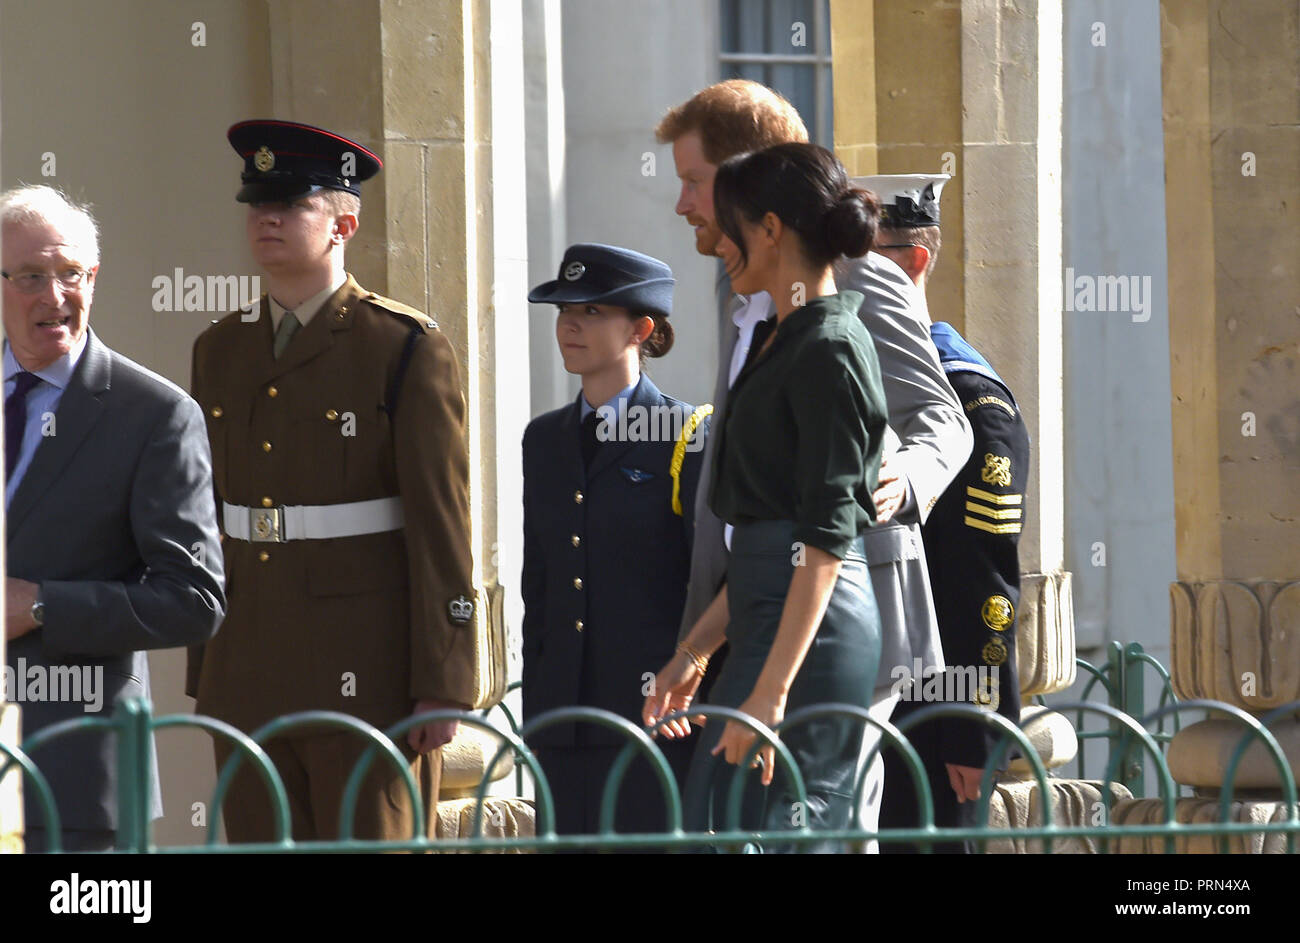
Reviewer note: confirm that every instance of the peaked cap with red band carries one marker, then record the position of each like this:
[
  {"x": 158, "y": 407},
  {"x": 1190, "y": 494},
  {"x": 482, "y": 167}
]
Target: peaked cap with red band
[{"x": 285, "y": 160}]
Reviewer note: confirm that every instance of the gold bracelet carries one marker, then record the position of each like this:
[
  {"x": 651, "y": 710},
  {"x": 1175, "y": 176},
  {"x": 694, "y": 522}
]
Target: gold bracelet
[{"x": 701, "y": 660}]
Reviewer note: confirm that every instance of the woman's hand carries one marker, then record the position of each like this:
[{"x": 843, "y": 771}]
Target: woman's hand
[
  {"x": 737, "y": 739},
  {"x": 672, "y": 690}
]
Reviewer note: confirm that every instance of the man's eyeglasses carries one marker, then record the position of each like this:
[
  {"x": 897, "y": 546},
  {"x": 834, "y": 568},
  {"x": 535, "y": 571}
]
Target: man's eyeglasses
[
  {"x": 32, "y": 283},
  {"x": 900, "y": 245}
]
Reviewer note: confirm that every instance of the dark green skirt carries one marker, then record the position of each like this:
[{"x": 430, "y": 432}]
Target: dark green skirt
[{"x": 840, "y": 667}]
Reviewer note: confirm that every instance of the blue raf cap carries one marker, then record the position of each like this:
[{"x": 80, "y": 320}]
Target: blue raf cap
[
  {"x": 285, "y": 160},
  {"x": 607, "y": 275}
]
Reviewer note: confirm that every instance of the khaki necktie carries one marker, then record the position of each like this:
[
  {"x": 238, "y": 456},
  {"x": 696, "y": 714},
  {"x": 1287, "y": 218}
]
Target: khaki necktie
[{"x": 284, "y": 333}]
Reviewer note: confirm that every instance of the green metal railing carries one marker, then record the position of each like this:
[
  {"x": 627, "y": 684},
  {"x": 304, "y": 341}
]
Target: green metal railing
[
  {"x": 1131, "y": 748},
  {"x": 1122, "y": 678}
]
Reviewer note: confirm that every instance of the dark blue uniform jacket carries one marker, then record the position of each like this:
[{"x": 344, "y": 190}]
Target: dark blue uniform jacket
[{"x": 606, "y": 561}]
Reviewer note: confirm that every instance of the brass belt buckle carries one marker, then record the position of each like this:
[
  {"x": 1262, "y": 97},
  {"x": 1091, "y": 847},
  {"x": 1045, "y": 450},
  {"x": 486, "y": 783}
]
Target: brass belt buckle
[{"x": 264, "y": 525}]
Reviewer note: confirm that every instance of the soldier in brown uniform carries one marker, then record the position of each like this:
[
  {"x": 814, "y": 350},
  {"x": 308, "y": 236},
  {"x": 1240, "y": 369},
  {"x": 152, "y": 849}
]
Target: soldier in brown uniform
[{"x": 337, "y": 427}]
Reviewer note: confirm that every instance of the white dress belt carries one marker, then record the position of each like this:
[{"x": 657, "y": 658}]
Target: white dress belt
[{"x": 312, "y": 522}]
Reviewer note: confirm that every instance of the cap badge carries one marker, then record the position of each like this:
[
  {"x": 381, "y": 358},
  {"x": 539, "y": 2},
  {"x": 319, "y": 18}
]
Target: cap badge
[
  {"x": 460, "y": 609},
  {"x": 263, "y": 160},
  {"x": 573, "y": 271}
]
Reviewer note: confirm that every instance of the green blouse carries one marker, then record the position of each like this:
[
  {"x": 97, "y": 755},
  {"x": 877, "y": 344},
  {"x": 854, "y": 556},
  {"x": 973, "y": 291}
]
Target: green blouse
[{"x": 801, "y": 436}]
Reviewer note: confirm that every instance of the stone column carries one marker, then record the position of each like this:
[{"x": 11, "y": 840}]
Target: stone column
[
  {"x": 1232, "y": 146},
  {"x": 1231, "y": 88},
  {"x": 436, "y": 89},
  {"x": 898, "y": 109},
  {"x": 1012, "y": 72},
  {"x": 974, "y": 89},
  {"x": 546, "y": 142}
]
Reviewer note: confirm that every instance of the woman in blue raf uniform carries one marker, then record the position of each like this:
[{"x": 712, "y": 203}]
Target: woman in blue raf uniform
[
  {"x": 609, "y": 485},
  {"x": 796, "y": 466}
]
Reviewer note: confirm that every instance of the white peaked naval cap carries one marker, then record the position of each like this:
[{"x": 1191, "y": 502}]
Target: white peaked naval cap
[{"x": 906, "y": 200}]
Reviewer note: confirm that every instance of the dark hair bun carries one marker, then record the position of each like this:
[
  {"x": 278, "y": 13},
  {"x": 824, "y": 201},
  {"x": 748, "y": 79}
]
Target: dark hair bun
[
  {"x": 807, "y": 188},
  {"x": 849, "y": 226},
  {"x": 660, "y": 340}
]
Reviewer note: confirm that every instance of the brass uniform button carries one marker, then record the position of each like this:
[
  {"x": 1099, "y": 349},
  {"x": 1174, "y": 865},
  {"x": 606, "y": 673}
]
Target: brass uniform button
[
  {"x": 263, "y": 556},
  {"x": 331, "y": 414},
  {"x": 576, "y": 540},
  {"x": 272, "y": 392},
  {"x": 578, "y": 625},
  {"x": 266, "y": 446},
  {"x": 577, "y": 582},
  {"x": 577, "y": 497},
  {"x": 266, "y": 502},
  {"x": 217, "y": 412}
]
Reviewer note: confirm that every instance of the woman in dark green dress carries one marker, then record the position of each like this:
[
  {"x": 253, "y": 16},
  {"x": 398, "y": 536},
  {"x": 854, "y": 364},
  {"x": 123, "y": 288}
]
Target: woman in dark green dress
[{"x": 796, "y": 465}]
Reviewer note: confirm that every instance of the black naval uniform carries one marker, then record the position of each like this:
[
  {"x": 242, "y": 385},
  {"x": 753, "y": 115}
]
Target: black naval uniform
[{"x": 971, "y": 544}]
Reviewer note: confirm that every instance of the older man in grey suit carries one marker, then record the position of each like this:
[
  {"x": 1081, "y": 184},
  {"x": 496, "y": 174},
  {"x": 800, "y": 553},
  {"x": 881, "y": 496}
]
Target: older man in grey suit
[
  {"x": 111, "y": 537},
  {"x": 929, "y": 440}
]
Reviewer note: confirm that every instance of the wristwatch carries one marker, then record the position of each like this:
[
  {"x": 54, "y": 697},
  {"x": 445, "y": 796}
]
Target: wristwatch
[{"x": 38, "y": 610}]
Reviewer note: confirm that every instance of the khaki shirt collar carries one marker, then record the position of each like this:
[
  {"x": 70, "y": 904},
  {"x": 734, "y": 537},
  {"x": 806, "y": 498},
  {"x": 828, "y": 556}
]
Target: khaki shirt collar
[{"x": 307, "y": 310}]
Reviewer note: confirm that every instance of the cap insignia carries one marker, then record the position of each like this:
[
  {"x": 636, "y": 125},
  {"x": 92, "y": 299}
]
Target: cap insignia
[{"x": 263, "y": 160}]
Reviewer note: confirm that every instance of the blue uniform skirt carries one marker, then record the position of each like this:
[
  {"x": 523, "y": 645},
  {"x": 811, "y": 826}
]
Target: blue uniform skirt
[{"x": 840, "y": 667}]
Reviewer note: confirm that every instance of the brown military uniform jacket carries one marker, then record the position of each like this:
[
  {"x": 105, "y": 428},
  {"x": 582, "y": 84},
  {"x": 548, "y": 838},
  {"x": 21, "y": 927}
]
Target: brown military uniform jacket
[{"x": 363, "y": 624}]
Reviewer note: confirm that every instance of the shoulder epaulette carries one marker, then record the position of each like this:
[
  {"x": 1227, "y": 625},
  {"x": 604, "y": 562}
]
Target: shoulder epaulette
[
  {"x": 957, "y": 367},
  {"x": 420, "y": 323},
  {"x": 401, "y": 310}
]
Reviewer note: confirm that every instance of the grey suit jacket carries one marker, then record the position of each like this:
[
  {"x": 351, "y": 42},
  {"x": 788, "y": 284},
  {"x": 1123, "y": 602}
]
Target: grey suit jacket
[
  {"x": 709, "y": 549},
  {"x": 115, "y": 520},
  {"x": 933, "y": 441}
]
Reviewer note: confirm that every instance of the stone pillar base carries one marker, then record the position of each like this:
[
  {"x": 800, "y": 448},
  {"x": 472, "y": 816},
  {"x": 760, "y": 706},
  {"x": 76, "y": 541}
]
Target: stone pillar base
[
  {"x": 1075, "y": 802},
  {"x": 1052, "y": 737},
  {"x": 1199, "y": 755},
  {"x": 502, "y": 818},
  {"x": 1199, "y": 811},
  {"x": 465, "y": 760},
  {"x": 11, "y": 792},
  {"x": 1045, "y": 633}
]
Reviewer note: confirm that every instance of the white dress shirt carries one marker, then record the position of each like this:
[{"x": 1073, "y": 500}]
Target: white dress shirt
[{"x": 757, "y": 307}]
